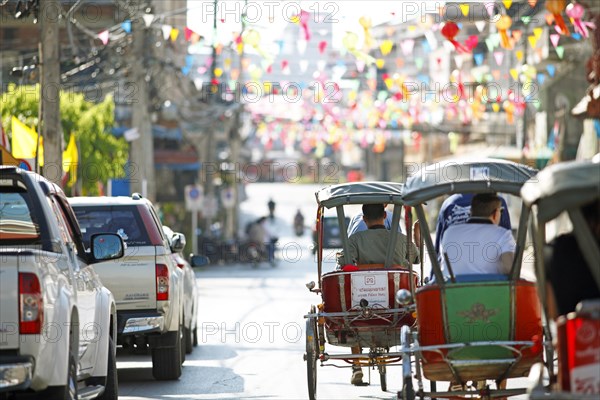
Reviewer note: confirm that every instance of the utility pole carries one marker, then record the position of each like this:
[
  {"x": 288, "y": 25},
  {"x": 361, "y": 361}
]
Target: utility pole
[
  {"x": 50, "y": 90},
  {"x": 141, "y": 168},
  {"x": 210, "y": 145}
]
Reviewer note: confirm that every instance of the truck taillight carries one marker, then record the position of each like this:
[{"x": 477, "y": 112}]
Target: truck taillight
[
  {"x": 162, "y": 282},
  {"x": 31, "y": 304}
]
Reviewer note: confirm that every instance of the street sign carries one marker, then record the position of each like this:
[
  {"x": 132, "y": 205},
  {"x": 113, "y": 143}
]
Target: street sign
[{"x": 194, "y": 198}]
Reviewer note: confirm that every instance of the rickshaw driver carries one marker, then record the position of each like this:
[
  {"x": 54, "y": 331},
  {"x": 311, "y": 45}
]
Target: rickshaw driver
[
  {"x": 564, "y": 251},
  {"x": 357, "y": 223},
  {"x": 369, "y": 247},
  {"x": 470, "y": 246}
]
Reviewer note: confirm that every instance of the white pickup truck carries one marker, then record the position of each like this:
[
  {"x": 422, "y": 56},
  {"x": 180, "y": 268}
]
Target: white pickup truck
[
  {"x": 147, "y": 284},
  {"x": 57, "y": 320}
]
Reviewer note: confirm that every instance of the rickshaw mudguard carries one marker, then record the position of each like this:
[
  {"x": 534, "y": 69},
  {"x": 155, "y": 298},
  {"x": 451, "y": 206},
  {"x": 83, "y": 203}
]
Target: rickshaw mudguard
[{"x": 478, "y": 314}]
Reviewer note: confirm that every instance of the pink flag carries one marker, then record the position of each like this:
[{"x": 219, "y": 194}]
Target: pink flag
[
  {"x": 103, "y": 36},
  {"x": 498, "y": 56},
  {"x": 554, "y": 38}
]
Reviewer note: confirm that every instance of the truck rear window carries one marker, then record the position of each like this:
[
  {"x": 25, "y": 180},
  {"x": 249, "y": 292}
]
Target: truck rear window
[
  {"x": 123, "y": 220},
  {"x": 17, "y": 219}
]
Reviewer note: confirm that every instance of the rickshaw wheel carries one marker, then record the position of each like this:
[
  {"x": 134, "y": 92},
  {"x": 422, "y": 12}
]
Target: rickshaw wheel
[
  {"x": 311, "y": 356},
  {"x": 383, "y": 377},
  {"x": 408, "y": 392}
]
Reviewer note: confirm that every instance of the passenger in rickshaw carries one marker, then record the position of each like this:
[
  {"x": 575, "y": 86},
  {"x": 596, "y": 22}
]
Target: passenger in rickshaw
[
  {"x": 479, "y": 246},
  {"x": 569, "y": 276},
  {"x": 369, "y": 247},
  {"x": 456, "y": 209},
  {"x": 357, "y": 223}
]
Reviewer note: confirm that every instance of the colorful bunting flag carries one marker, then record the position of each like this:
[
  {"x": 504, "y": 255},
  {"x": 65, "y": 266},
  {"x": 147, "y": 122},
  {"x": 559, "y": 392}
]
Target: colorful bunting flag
[
  {"x": 174, "y": 34},
  {"x": 480, "y": 25},
  {"x": 514, "y": 73},
  {"x": 126, "y": 26},
  {"x": 478, "y": 58},
  {"x": 103, "y": 36},
  {"x": 519, "y": 55},
  {"x": 551, "y": 70},
  {"x": 532, "y": 41},
  {"x": 498, "y": 56},
  {"x": 148, "y": 19},
  {"x": 166, "y": 31},
  {"x": 560, "y": 50},
  {"x": 465, "y": 9}
]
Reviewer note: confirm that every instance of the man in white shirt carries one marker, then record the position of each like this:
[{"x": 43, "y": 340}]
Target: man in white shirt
[{"x": 479, "y": 246}]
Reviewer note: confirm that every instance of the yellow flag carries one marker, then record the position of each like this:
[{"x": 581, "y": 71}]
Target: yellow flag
[
  {"x": 71, "y": 159},
  {"x": 24, "y": 141}
]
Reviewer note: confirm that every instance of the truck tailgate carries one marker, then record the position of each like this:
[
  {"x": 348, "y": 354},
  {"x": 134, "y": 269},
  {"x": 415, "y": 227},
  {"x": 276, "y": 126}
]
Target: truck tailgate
[
  {"x": 131, "y": 279},
  {"x": 9, "y": 301}
]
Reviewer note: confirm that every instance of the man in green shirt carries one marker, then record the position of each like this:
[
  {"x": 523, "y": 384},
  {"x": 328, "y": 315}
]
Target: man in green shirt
[{"x": 370, "y": 246}]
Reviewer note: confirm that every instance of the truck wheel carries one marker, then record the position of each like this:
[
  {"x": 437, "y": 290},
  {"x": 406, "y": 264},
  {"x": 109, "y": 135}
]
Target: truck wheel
[
  {"x": 195, "y": 334},
  {"x": 111, "y": 389},
  {"x": 182, "y": 343},
  {"x": 189, "y": 340},
  {"x": 68, "y": 391},
  {"x": 166, "y": 361}
]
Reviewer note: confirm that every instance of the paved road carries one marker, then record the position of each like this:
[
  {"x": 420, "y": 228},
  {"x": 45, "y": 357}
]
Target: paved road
[{"x": 252, "y": 340}]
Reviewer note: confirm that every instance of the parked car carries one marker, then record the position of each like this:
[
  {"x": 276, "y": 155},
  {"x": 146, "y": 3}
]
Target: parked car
[
  {"x": 146, "y": 283},
  {"x": 332, "y": 238},
  {"x": 57, "y": 321},
  {"x": 177, "y": 243}
]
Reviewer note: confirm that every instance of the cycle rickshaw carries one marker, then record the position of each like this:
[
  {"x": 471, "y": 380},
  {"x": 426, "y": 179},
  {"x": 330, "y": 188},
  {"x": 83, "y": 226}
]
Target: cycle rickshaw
[
  {"x": 566, "y": 187},
  {"x": 470, "y": 327},
  {"x": 347, "y": 315}
]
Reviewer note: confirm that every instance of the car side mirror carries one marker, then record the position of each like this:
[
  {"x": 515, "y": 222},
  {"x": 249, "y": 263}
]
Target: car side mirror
[
  {"x": 199, "y": 261},
  {"x": 178, "y": 242},
  {"x": 107, "y": 246}
]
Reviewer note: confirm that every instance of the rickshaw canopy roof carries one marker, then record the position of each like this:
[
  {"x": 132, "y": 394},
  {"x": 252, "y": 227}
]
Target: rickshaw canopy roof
[
  {"x": 561, "y": 187},
  {"x": 360, "y": 193},
  {"x": 466, "y": 176}
]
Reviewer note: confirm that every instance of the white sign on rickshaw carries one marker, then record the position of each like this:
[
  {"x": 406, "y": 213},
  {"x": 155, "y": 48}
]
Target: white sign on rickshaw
[{"x": 371, "y": 286}]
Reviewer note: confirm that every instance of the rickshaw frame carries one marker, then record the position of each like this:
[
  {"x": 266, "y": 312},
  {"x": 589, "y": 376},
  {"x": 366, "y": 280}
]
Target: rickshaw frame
[
  {"x": 338, "y": 196},
  {"x": 447, "y": 178},
  {"x": 561, "y": 188}
]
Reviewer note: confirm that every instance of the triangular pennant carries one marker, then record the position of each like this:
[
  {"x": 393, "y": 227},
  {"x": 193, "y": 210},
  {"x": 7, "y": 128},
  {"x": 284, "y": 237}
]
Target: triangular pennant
[
  {"x": 551, "y": 70},
  {"x": 519, "y": 54},
  {"x": 465, "y": 9},
  {"x": 514, "y": 73},
  {"x": 478, "y": 58},
  {"x": 549, "y": 18},
  {"x": 532, "y": 3},
  {"x": 480, "y": 25},
  {"x": 537, "y": 32},
  {"x": 532, "y": 41},
  {"x": 495, "y": 39},
  {"x": 148, "y": 19},
  {"x": 103, "y": 36},
  {"x": 166, "y": 31},
  {"x": 507, "y": 3},
  {"x": 386, "y": 47},
  {"x": 419, "y": 62},
  {"x": 126, "y": 25},
  {"x": 526, "y": 19},
  {"x": 458, "y": 59},
  {"x": 187, "y": 33},
  {"x": 174, "y": 34},
  {"x": 576, "y": 36},
  {"x": 407, "y": 46},
  {"x": 380, "y": 62},
  {"x": 490, "y": 44},
  {"x": 554, "y": 38},
  {"x": 498, "y": 56},
  {"x": 560, "y": 50},
  {"x": 496, "y": 74},
  {"x": 496, "y": 107},
  {"x": 541, "y": 78}
]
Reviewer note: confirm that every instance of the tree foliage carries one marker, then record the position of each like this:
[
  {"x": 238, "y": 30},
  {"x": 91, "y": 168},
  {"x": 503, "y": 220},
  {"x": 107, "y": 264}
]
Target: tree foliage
[{"x": 101, "y": 155}]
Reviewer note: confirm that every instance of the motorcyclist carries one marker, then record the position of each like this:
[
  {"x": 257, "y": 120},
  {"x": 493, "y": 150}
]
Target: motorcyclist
[{"x": 299, "y": 223}]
